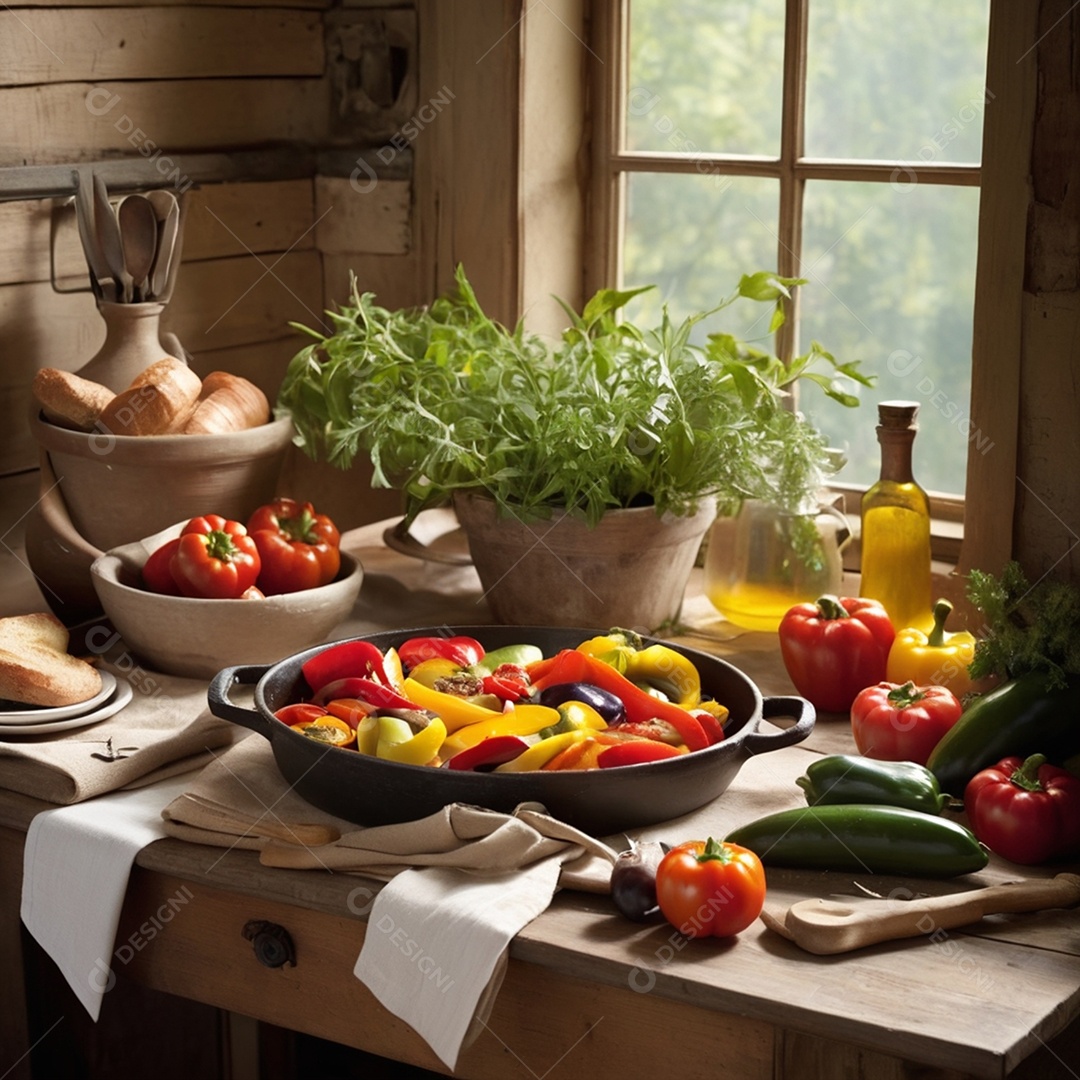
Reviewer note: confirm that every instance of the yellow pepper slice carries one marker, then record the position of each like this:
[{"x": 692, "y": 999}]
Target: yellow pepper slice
[
  {"x": 455, "y": 712},
  {"x": 934, "y": 659},
  {"x": 392, "y": 666},
  {"x": 521, "y": 720},
  {"x": 327, "y": 729},
  {"x": 669, "y": 671},
  {"x": 617, "y": 648},
  {"x": 398, "y": 742},
  {"x": 539, "y": 754},
  {"x": 429, "y": 671}
]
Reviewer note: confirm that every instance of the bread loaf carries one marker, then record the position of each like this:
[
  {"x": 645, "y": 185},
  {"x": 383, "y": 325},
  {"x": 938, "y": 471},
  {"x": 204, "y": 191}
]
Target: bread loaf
[
  {"x": 158, "y": 402},
  {"x": 70, "y": 400},
  {"x": 35, "y": 667},
  {"x": 227, "y": 403}
]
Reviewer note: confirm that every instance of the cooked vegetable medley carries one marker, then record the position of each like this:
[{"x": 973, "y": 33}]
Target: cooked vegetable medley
[{"x": 446, "y": 702}]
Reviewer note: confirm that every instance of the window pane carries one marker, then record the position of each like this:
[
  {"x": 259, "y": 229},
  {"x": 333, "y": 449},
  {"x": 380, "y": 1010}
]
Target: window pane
[
  {"x": 694, "y": 237},
  {"x": 895, "y": 81},
  {"x": 891, "y": 274},
  {"x": 705, "y": 76}
]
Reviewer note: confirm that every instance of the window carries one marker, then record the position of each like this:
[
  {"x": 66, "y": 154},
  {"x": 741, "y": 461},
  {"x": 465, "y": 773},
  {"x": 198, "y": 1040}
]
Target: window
[{"x": 835, "y": 140}]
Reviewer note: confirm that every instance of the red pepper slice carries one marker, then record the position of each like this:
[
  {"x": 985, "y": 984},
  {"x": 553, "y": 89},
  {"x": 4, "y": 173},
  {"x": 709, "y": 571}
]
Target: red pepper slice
[
  {"x": 713, "y": 728},
  {"x": 367, "y": 690},
  {"x": 463, "y": 651},
  {"x": 351, "y": 658},
  {"x": 351, "y": 710},
  {"x": 508, "y": 682},
  {"x": 637, "y": 752},
  {"x": 300, "y": 713},
  {"x": 566, "y": 666},
  {"x": 496, "y": 750}
]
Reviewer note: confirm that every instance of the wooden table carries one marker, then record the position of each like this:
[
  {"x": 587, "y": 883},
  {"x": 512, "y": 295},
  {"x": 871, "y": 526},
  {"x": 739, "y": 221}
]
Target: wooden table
[{"x": 588, "y": 992}]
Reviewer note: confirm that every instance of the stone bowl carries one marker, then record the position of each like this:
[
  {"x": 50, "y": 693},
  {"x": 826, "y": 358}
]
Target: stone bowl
[{"x": 182, "y": 635}]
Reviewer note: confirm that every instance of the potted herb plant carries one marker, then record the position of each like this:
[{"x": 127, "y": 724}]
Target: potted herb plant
[{"x": 585, "y": 472}]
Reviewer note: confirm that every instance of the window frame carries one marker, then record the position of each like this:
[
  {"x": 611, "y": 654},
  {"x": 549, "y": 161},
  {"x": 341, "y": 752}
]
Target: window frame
[{"x": 612, "y": 163}]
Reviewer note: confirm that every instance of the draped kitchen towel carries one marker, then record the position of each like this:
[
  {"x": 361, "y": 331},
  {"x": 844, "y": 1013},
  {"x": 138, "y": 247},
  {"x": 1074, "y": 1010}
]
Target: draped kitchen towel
[
  {"x": 76, "y": 864},
  {"x": 165, "y": 729}
]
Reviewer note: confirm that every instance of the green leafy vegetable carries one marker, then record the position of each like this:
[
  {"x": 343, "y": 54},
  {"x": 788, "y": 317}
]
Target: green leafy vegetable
[
  {"x": 1028, "y": 627},
  {"x": 614, "y": 415}
]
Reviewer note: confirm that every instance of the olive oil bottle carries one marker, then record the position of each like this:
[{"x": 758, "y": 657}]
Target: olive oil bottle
[{"x": 896, "y": 524}]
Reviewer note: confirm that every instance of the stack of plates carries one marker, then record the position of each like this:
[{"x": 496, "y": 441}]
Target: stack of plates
[{"x": 18, "y": 719}]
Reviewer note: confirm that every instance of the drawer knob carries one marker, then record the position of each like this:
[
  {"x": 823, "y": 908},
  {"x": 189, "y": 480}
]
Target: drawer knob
[{"x": 272, "y": 943}]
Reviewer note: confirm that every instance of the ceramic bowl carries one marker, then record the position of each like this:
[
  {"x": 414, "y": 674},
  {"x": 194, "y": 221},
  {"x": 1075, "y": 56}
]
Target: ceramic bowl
[
  {"x": 181, "y": 635},
  {"x": 117, "y": 488},
  {"x": 371, "y": 791}
]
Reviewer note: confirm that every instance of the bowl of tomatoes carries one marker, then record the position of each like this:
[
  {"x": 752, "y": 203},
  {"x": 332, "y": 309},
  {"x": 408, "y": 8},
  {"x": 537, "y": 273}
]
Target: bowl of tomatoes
[
  {"x": 188, "y": 599},
  {"x": 364, "y": 729}
]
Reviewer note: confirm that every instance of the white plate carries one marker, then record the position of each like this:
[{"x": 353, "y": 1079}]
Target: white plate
[
  {"x": 122, "y": 696},
  {"x": 37, "y": 714}
]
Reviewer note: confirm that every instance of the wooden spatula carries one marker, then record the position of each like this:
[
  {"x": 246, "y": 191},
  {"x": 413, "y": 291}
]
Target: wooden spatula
[{"x": 830, "y": 926}]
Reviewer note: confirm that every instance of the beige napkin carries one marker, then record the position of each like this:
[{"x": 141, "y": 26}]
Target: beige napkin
[{"x": 166, "y": 729}]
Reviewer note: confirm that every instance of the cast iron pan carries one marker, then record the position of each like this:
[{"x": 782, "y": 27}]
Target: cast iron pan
[{"x": 371, "y": 791}]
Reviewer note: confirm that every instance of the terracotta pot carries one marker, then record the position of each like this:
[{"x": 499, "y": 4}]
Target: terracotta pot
[
  {"x": 120, "y": 488},
  {"x": 630, "y": 570}
]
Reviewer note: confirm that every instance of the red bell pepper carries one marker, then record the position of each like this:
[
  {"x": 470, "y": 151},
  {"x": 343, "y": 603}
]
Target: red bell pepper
[
  {"x": 486, "y": 754},
  {"x": 298, "y": 547},
  {"x": 359, "y": 659},
  {"x": 834, "y": 648},
  {"x": 1026, "y": 811},
  {"x": 637, "y": 752},
  {"x": 463, "y": 651},
  {"x": 508, "y": 682},
  {"x": 221, "y": 564},
  {"x": 902, "y": 722},
  {"x": 300, "y": 712},
  {"x": 157, "y": 573},
  {"x": 368, "y": 690}
]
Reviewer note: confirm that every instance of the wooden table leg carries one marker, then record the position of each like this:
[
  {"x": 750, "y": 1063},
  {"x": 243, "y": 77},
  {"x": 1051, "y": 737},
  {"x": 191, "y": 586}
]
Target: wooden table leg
[{"x": 14, "y": 1030}]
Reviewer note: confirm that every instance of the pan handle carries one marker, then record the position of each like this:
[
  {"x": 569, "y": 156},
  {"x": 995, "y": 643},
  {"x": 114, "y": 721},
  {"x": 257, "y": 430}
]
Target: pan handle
[
  {"x": 217, "y": 695},
  {"x": 760, "y": 742}
]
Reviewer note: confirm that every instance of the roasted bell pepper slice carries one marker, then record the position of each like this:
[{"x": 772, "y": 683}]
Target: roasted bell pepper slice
[
  {"x": 518, "y": 655},
  {"x": 297, "y": 546},
  {"x": 429, "y": 672},
  {"x": 520, "y": 720},
  {"x": 508, "y": 682},
  {"x": 399, "y": 742},
  {"x": 351, "y": 710},
  {"x": 359, "y": 659},
  {"x": 462, "y": 650},
  {"x": 299, "y": 713},
  {"x": 542, "y": 752},
  {"x": 485, "y": 755},
  {"x": 934, "y": 659},
  {"x": 456, "y": 712},
  {"x": 566, "y": 666},
  {"x": 636, "y": 752},
  {"x": 585, "y": 753},
  {"x": 382, "y": 697},
  {"x": 667, "y": 670},
  {"x": 327, "y": 729},
  {"x": 617, "y": 648}
]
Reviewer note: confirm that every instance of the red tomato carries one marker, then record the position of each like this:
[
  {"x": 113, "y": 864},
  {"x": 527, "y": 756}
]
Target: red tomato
[
  {"x": 894, "y": 722},
  {"x": 157, "y": 573},
  {"x": 710, "y": 888}
]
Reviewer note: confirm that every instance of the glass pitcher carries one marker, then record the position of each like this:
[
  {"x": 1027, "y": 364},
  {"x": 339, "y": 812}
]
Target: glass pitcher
[{"x": 765, "y": 560}]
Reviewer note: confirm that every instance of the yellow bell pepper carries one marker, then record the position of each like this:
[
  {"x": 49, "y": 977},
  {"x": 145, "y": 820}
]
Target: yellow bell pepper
[
  {"x": 934, "y": 659},
  {"x": 430, "y": 671},
  {"x": 456, "y": 712},
  {"x": 520, "y": 720},
  {"x": 542, "y": 752},
  {"x": 668, "y": 671},
  {"x": 616, "y": 648},
  {"x": 398, "y": 741},
  {"x": 327, "y": 729},
  {"x": 575, "y": 716}
]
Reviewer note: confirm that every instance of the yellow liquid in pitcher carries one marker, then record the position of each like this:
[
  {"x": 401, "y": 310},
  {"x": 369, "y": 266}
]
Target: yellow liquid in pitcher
[
  {"x": 753, "y": 607},
  {"x": 896, "y": 563}
]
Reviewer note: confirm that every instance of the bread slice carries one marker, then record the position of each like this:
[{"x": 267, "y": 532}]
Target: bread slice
[
  {"x": 35, "y": 667},
  {"x": 70, "y": 400},
  {"x": 158, "y": 402}
]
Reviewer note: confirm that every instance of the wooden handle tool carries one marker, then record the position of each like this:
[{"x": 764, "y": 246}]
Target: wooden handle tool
[{"x": 825, "y": 927}]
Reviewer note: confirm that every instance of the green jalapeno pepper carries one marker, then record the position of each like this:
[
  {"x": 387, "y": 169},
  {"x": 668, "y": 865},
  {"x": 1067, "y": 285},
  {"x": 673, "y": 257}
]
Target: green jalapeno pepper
[
  {"x": 865, "y": 839},
  {"x": 847, "y": 778}
]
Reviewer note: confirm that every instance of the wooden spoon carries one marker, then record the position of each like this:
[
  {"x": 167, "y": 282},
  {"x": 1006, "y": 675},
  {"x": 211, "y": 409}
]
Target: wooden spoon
[
  {"x": 139, "y": 236},
  {"x": 167, "y": 210},
  {"x": 108, "y": 236},
  {"x": 825, "y": 927}
]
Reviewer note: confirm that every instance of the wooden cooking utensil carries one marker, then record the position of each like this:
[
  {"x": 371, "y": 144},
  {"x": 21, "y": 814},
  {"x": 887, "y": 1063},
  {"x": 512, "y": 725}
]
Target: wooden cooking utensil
[{"x": 825, "y": 927}]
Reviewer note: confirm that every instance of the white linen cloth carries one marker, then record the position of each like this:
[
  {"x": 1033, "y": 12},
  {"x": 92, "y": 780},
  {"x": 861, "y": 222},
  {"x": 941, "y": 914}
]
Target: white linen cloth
[{"x": 76, "y": 865}]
